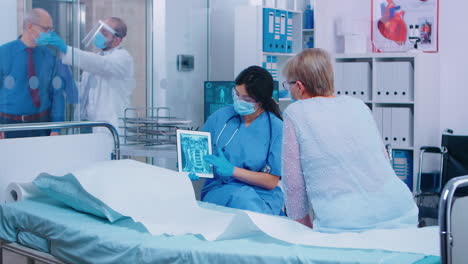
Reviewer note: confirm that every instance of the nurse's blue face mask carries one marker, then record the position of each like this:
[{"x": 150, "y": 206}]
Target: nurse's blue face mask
[
  {"x": 100, "y": 41},
  {"x": 242, "y": 107}
]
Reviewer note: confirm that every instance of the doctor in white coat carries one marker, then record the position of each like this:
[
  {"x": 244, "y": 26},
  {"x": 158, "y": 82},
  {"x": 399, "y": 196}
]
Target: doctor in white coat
[{"x": 107, "y": 82}]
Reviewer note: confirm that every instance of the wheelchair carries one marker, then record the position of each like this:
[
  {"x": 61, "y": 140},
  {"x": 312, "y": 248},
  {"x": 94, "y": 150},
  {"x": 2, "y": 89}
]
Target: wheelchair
[{"x": 453, "y": 163}]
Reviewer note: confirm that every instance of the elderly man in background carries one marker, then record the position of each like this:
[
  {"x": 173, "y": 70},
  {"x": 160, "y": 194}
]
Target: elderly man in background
[
  {"x": 107, "y": 82},
  {"x": 31, "y": 89}
]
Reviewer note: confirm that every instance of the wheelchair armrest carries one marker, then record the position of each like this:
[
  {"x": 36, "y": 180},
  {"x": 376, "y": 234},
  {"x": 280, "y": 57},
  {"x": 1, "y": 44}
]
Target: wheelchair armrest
[{"x": 431, "y": 149}]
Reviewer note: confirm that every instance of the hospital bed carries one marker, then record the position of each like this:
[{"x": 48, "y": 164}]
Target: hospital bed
[{"x": 46, "y": 231}]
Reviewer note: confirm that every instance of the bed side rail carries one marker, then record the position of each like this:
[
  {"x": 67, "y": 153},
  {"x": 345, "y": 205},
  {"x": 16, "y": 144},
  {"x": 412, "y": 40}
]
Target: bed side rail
[
  {"x": 445, "y": 216},
  {"x": 17, "y": 254},
  {"x": 67, "y": 125}
]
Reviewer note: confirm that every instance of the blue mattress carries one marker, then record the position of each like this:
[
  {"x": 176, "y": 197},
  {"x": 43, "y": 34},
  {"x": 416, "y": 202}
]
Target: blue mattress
[{"x": 75, "y": 237}]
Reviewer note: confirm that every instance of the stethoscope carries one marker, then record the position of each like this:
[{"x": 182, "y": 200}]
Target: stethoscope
[{"x": 266, "y": 168}]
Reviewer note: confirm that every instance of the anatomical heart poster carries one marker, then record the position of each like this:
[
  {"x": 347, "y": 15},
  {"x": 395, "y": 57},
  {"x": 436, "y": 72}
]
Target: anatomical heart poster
[{"x": 405, "y": 25}]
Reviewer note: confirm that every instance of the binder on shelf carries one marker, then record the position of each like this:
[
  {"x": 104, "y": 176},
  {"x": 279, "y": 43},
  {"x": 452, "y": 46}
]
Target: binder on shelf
[
  {"x": 384, "y": 81},
  {"x": 395, "y": 81},
  {"x": 289, "y": 32},
  {"x": 339, "y": 78},
  {"x": 377, "y": 112},
  {"x": 403, "y": 166},
  {"x": 404, "y": 128},
  {"x": 404, "y": 80},
  {"x": 387, "y": 125},
  {"x": 274, "y": 67},
  {"x": 396, "y": 127},
  {"x": 354, "y": 79},
  {"x": 268, "y": 63},
  {"x": 283, "y": 31},
  {"x": 277, "y": 31},
  {"x": 364, "y": 75},
  {"x": 346, "y": 79},
  {"x": 268, "y": 29}
]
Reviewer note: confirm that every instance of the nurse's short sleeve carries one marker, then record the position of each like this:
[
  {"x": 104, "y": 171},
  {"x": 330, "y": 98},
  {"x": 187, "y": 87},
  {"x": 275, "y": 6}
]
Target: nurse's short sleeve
[
  {"x": 208, "y": 126},
  {"x": 274, "y": 157}
]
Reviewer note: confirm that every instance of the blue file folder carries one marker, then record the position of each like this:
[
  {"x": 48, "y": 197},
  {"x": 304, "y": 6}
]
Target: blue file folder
[
  {"x": 277, "y": 32},
  {"x": 283, "y": 31},
  {"x": 268, "y": 30},
  {"x": 274, "y": 67},
  {"x": 289, "y": 33},
  {"x": 403, "y": 166}
]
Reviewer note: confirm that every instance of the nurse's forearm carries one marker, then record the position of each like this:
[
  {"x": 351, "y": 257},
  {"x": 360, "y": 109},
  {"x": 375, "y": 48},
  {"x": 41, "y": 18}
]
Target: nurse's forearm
[{"x": 260, "y": 179}]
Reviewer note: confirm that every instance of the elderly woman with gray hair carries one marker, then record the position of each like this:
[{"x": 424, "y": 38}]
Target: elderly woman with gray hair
[{"x": 333, "y": 158}]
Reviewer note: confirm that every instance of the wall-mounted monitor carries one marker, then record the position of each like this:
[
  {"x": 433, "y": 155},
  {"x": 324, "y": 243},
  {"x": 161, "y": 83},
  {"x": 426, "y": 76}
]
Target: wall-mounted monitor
[{"x": 218, "y": 94}]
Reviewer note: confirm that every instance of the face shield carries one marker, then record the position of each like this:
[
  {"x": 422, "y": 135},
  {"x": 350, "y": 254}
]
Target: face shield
[{"x": 105, "y": 30}]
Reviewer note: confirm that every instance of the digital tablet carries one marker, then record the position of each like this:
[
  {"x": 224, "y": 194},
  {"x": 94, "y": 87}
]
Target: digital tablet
[{"x": 192, "y": 147}]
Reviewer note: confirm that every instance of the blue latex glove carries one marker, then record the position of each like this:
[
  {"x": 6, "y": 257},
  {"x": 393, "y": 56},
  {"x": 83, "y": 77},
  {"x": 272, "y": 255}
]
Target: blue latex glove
[
  {"x": 52, "y": 39},
  {"x": 221, "y": 165},
  {"x": 193, "y": 177},
  {"x": 43, "y": 39}
]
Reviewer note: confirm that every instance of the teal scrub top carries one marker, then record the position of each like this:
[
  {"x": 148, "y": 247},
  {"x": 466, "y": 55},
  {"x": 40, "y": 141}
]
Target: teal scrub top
[{"x": 248, "y": 149}]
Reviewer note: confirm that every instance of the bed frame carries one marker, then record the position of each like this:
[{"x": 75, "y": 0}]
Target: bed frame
[
  {"x": 445, "y": 217},
  {"x": 13, "y": 253},
  {"x": 67, "y": 125}
]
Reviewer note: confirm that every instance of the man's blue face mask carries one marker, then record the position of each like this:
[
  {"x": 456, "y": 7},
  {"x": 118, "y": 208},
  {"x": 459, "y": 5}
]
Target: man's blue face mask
[
  {"x": 100, "y": 41},
  {"x": 42, "y": 36},
  {"x": 242, "y": 107}
]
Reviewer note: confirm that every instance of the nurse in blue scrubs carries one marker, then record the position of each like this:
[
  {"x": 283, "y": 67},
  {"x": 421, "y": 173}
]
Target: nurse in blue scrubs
[{"x": 246, "y": 140}]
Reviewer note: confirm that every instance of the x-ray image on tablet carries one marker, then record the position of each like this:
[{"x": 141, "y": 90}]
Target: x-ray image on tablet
[{"x": 192, "y": 147}]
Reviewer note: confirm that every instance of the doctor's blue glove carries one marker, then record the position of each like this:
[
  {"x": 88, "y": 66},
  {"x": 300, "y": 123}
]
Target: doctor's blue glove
[
  {"x": 43, "y": 39},
  {"x": 52, "y": 39},
  {"x": 193, "y": 177},
  {"x": 220, "y": 164}
]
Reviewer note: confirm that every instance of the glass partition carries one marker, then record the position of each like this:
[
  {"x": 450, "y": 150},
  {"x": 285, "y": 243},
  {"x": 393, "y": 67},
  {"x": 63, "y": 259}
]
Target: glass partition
[{"x": 63, "y": 78}]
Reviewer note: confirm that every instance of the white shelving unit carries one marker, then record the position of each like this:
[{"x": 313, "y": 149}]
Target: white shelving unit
[
  {"x": 248, "y": 39},
  {"x": 402, "y": 90}
]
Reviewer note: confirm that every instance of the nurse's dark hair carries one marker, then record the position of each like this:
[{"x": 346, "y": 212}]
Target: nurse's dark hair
[{"x": 259, "y": 85}]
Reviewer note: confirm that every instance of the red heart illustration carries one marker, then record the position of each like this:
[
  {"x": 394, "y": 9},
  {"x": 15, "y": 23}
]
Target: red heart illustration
[{"x": 392, "y": 25}]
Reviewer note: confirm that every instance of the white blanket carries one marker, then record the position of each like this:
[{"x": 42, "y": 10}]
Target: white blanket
[{"x": 164, "y": 201}]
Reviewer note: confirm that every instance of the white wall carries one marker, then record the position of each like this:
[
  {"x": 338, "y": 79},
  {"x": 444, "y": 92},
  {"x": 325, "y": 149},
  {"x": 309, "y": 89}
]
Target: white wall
[
  {"x": 180, "y": 28},
  {"x": 327, "y": 12},
  {"x": 222, "y": 38},
  {"x": 452, "y": 51},
  {"x": 454, "y": 66},
  {"x": 8, "y": 20}
]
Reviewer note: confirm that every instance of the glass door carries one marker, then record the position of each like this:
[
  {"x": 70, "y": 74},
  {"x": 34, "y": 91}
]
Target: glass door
[{"x": 73, "y": 19}]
